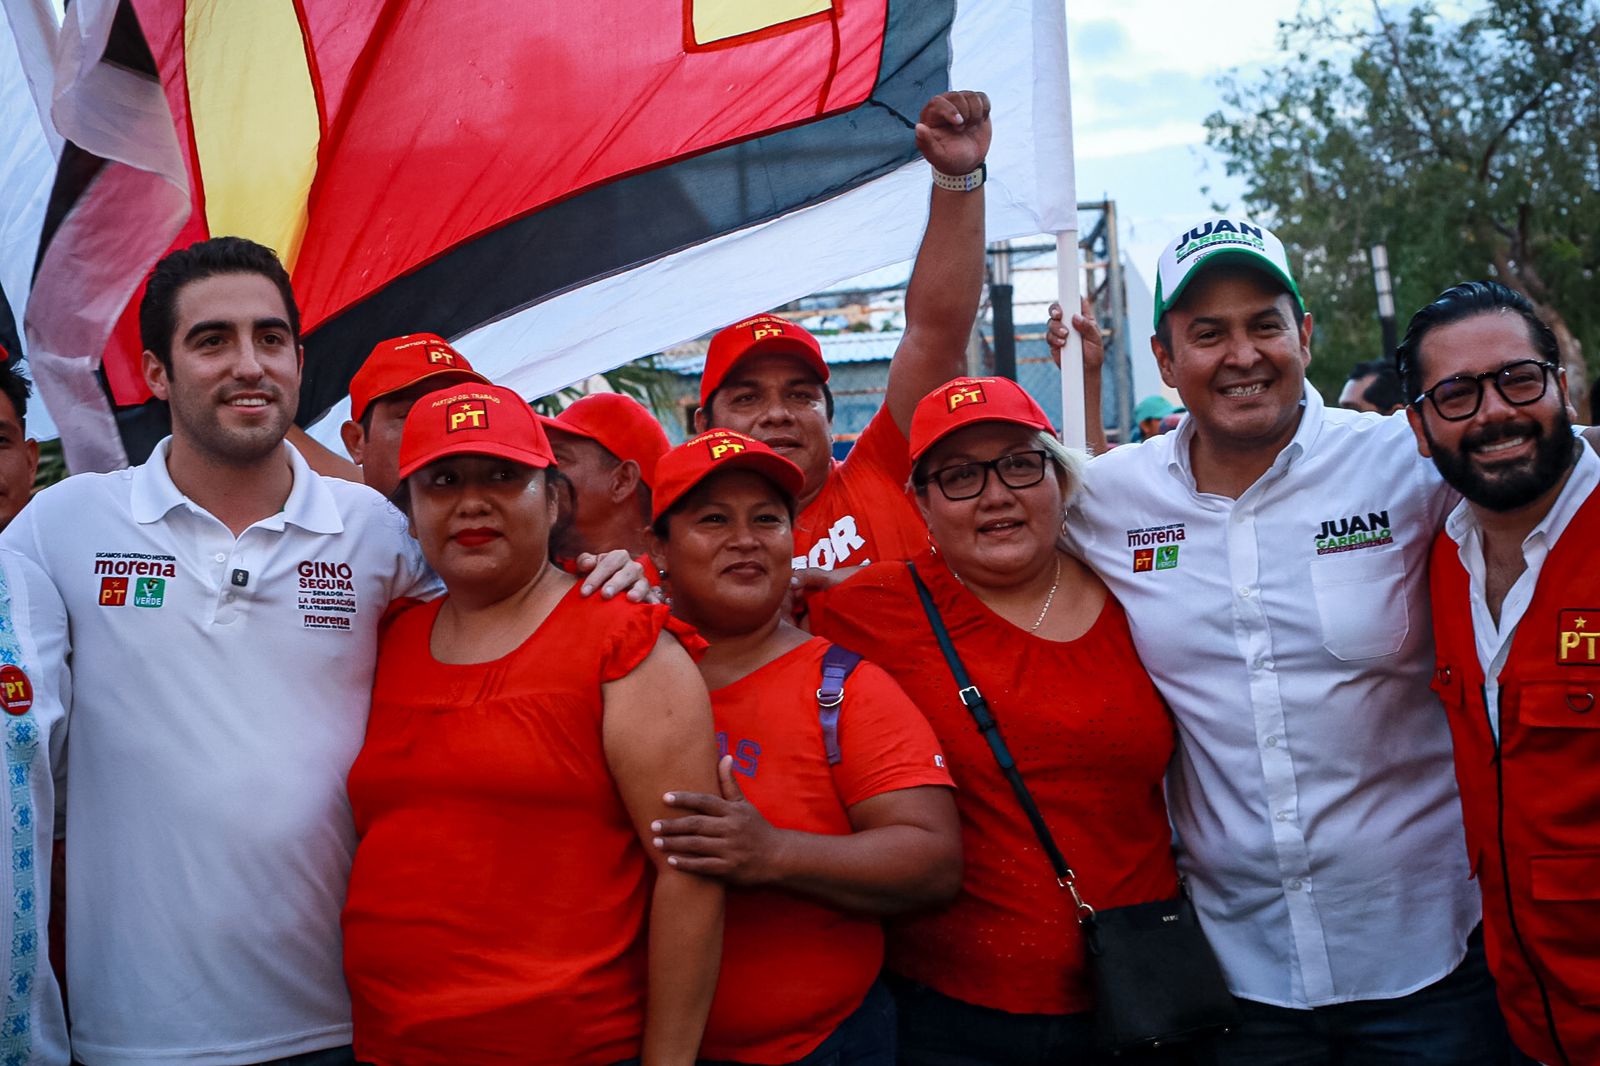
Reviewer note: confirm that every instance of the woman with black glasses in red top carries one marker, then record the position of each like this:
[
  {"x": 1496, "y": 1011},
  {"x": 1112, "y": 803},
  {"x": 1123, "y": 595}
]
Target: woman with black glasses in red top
[{"x": 1001, "y": 976}]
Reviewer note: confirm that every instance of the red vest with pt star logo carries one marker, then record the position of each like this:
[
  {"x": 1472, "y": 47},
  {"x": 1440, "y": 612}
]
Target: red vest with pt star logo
[{"x": 1532, "y": 800}]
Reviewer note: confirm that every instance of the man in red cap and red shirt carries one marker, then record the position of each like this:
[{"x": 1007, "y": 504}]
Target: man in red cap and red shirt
[
  {"x": 606, "y": 447},
  {"x": 765, "y": 376},
  {"x": 398, "y": 373}
]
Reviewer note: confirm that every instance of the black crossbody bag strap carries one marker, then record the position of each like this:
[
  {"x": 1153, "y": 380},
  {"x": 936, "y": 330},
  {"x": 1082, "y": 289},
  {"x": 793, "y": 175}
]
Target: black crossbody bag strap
[{"x": 974, "y": 702}]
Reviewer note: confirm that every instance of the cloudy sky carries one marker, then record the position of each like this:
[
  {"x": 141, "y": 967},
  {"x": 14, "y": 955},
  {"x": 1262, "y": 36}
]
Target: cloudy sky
[{"x": 1144, "y": 78}]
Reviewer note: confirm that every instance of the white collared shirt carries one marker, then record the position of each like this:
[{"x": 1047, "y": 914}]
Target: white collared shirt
[
  {"x": 1494, "y": 641},
  {"x": 1313, "y": 791},
  {"x": 220, "y": 693}
]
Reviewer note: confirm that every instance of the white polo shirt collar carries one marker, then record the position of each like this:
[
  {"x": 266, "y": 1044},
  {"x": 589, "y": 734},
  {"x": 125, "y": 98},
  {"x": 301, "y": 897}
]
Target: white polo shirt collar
[
  {"x": 1304, "y": 439},
  {"x": 310, "y": 504}
]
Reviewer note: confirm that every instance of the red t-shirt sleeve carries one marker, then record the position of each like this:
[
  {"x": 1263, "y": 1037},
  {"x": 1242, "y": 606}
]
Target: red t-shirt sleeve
[
  {"x": 884, "y": 741},
  {"x": 884, "y": 448},
  {"x": 630, "y": 633}
]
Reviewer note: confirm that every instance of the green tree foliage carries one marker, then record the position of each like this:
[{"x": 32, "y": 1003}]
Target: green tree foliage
[{"x": 1470, "y": 146}]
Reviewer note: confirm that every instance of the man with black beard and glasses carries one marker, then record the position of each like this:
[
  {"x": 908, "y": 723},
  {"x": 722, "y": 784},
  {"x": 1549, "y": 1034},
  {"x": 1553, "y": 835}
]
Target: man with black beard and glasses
[{"x": 1516, "y": 616}]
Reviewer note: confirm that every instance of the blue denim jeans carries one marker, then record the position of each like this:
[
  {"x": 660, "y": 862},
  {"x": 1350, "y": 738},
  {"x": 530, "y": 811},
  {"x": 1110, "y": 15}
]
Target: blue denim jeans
[
  {"x": 1453, "y": 1022},
  {"x": 938, "y": 1030},
  {"x": 866, "y": 1038}
]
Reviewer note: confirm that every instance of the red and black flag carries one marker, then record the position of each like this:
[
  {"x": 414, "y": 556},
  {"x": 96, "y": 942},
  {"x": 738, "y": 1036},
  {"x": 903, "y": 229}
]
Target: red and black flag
[{"x": 437, "y": 166}]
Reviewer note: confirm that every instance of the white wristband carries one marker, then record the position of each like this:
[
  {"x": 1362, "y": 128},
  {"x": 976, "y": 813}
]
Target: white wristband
[{"x": 961, "y": 182}]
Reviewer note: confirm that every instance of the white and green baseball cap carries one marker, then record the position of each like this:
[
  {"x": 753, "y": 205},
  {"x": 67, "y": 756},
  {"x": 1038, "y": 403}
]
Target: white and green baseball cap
[{"x": 1220, "y": 240}]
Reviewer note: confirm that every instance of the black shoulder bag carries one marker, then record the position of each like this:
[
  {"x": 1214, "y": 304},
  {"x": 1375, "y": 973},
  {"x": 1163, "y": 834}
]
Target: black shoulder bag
[{"x": 1156, "y": 979}]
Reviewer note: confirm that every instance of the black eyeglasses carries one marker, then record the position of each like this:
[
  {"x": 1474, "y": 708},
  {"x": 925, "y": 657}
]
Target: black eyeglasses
[
  {"x": 1019, "y": 470},
  {"x": 1519, "y": 384}
]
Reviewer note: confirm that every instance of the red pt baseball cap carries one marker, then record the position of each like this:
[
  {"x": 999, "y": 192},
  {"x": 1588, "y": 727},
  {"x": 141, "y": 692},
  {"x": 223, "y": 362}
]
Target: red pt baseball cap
[
  {"x": 964, "y": 401},
  {"x": 713, "y": 451},
  {"x": 621, "y": 425},
  {"x": 473, "y": 419},
  {"x": 759, "y": 335},
  {"x": 400, "y": 362}
]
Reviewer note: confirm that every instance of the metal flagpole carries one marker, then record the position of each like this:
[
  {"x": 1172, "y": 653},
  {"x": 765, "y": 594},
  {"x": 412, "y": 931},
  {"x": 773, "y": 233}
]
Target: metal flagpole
[
  {"x": 1068, "y": 276},
  {"x": 1068, "y": 273}
]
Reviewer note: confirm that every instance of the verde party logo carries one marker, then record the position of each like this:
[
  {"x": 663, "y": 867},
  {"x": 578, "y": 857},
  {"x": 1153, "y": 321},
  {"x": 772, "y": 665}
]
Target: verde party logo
[{"x": 149, "y": 591}]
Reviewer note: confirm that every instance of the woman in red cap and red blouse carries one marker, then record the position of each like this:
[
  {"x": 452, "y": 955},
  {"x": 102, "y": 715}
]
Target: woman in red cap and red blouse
[
  {"x": 834, "y": 808},
  {"x": 1001, "y": 976},
  {"x": 505, "y": 904}
]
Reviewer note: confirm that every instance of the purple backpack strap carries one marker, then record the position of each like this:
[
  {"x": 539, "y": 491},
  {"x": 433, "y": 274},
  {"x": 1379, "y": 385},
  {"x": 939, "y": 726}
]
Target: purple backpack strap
[{"x": 837, "y": 663}]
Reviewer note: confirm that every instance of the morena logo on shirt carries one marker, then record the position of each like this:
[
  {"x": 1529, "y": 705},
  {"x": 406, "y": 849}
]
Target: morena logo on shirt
[
  {"x": 964, "y": 395},
  {"x": 465, "y": 415},
  {"x": 1577, "y": 633},
  {"x": 16, "y": 691}
]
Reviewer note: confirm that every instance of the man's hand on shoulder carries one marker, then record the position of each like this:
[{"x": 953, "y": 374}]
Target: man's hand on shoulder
[
  {"x": 953, "y": 132},
  {"x": 616, "y": 571}
]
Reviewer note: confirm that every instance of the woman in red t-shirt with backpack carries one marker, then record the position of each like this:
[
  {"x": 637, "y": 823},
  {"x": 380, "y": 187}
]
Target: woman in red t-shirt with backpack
[
  {"x": 834, "y": 806},
  {"x": 505, "y": 905}
]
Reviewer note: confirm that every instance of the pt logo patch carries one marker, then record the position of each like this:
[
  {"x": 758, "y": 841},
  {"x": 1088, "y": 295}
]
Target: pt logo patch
[
  {"x": 1144, "y": 559},
  {"x": 113, "y": 592},
  {"x": 720, "y": 448},
  {"x": 466, "y": 414},
  {"x": 441, "y": 356},
  {"x": 1576, "y": 634},
  {"x": 964, "y": 395},
  {"x": 149, "y": 591},
  {"x": 16, "y": 691}
]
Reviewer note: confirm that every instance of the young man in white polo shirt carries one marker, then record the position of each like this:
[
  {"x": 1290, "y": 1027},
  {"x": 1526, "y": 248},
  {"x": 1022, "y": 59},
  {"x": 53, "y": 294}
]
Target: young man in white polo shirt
[
  {"x": 224, "y": 604},
  {"x": 1272, "y": 557}
]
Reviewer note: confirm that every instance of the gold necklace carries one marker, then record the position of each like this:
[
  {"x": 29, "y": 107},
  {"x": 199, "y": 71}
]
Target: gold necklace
[{"x": 1049, "y": 598}]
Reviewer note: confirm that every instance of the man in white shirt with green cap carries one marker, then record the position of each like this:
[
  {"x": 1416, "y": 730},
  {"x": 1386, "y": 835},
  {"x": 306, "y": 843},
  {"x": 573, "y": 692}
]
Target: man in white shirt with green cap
[{"x": 1284, "y": 616}]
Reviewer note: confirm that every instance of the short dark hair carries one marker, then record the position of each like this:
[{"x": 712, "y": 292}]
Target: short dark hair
[
  {"x": 15, "y": 386},
  {"x": 1384, "y": 391},
  {"x": 827, "y": 402},
  {"x": 158, "y": 310},
  {"x": 1467, "y": 300}
]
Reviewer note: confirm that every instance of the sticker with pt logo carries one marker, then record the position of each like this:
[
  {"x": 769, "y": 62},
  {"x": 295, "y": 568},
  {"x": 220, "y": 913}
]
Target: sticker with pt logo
[{"x": 16, "y": 691}]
